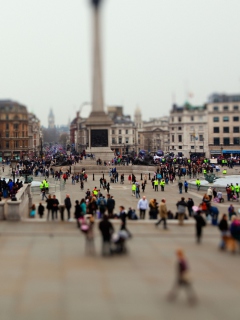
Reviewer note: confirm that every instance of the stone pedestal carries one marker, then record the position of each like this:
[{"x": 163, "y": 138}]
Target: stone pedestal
[
  {"x": 98, "y": 125},
  {"x": 14, "y": 210}
]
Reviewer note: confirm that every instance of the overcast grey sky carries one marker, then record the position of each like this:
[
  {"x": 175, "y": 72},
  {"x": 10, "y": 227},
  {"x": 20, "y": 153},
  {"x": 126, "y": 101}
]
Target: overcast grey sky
[{"x": 152, "y": 50}]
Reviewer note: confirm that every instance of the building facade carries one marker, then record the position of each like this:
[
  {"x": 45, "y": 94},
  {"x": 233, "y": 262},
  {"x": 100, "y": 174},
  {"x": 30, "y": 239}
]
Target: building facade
[
  {"x": 14, "y": 140},
  {"x": 224, "y": 124},
  {"x": 188, "y": 130},
  {"x": 153, "y": 135}
]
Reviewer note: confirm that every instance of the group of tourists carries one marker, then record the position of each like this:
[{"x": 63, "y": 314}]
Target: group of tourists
[{"x": 9, "y": 189}]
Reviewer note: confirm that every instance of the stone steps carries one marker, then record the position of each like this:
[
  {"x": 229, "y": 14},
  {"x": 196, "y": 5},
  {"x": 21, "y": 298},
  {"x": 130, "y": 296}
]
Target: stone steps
[{"x": 120, "y": 169}]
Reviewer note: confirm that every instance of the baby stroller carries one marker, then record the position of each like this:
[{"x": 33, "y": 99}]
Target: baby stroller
[
  {"x": 119, "y": 242},
  {"x": 233, "y": 197}
]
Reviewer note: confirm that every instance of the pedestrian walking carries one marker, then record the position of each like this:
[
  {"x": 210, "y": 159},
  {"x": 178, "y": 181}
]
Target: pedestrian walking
[
  {"x": 137, "y": 191},
  {"x": 41, "y": 210},
  {"x": 49, "y": 207},
  {"x": 182, "y": 280},
  {"x": 180, "y": 185},
  {"x": 163, "y": 214},
  {"x": 190, "y": 204},
  {"x": 142, "y": 207},
  {"x": 181, "y": 209},
  {"x": 123, "y": 217},
  {"x": 200, "y": 223},
  {"x": 106, "y": 229},
  {"x": 68, "y": 205},
  {"x": 198, "y": 184},
  {"x": 55, "y": 204}
]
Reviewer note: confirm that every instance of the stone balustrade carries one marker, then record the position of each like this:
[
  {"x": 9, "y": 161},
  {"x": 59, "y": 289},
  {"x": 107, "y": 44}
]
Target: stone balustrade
[{"x": 15, "y": 210}]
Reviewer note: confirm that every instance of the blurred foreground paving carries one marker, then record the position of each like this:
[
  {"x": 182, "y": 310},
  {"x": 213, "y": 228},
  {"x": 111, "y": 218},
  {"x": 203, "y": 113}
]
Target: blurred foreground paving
[{"x": 46, "y": 275}]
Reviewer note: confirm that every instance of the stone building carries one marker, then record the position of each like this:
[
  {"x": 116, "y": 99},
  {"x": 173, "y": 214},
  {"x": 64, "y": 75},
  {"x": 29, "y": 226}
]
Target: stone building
[
  {"x": 188, "y": 130},
  {"x": 123, "y": 131},
  {"x": 14, "y": 139},
  {"x": 224, "y": 124},
  {"x": 153, "y": 135}
]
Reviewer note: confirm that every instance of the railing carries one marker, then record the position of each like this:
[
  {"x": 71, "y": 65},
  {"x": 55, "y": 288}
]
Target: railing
[{"x": 53, "y": 188}]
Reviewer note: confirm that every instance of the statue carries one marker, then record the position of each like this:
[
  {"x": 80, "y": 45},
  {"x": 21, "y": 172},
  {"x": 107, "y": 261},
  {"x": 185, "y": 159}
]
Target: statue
[
  {"x": 96, "y": 3},
  {"x": 210, "y": 177}
]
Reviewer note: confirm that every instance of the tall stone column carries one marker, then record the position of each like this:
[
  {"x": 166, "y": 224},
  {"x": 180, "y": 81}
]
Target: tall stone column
[
  {"x": 98, "y": 124},
  {"x": 97, "y": 89}
]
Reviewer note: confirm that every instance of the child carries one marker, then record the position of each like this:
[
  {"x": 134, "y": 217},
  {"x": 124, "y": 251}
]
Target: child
[{"x": 33, "y": 211}]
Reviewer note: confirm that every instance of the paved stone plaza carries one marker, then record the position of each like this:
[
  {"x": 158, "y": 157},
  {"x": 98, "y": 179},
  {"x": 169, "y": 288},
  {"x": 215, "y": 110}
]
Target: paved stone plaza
[
  {"x": 45, "y": 273},
  {"x": 123, "y": 193}
]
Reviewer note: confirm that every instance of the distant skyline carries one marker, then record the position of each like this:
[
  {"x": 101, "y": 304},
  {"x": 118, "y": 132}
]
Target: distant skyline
[{"x": 154, "y": 53}]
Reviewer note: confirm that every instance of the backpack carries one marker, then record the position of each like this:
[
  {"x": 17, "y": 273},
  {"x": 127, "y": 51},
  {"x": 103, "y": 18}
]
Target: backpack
[
  {"x": 204, "y": 206},
  {"x": 102, "y": 204}
]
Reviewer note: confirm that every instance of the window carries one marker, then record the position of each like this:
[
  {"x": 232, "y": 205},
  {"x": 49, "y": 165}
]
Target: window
[
  {"x": 23, "y": 134},
  {"x": 192, "y": 137},
  {"x": 15, "y": 126},
  {"x": 192, "y": 118},
  {"x": 192, "y": 128},
  {"x": 179, "y": 119},
  {"x": 113, "y": 131},
  {"x": 126, "y": 140},
  {"x": 200, "y": 128},
  {"x": 235, "y": 108},
  {"x": 179, "y": 128},
  {"x": 226, "y": 141},
  {"x": 216, "y": 141},
  {"x": 7, "y": 145},
  {"x": 172, "y": 119},
  {"x": 113, "y": 141},
  {"x": 236, "y": 129},
  {"x": 215, "y": 108},
  {"x": 119, "y": 139},
  {"x": 225, "y": 119},
  {"x": 179, "y": 138},
  {"x": 200, "y": 118},
  {"x": 192, "y": 147},
  {"x": 126, "y": 131},
  {"x": 215, "y": 119},
  {"x": 200, "y": 137},
  {"x": 7, "y": 126},
  {"x": 225, "y": 129},
  {"x": 7, "y": 119},
  {"x": 201, "y": 147},
  {"x": 15, "y": 144},
  {"x": 119, "y": 131},
  {"x": 235, "y": 119},
  {"x": 225, "y": 108},
  {"x": 172, "y": 137},
  {"x": 215, "y": 129},
  {"x": 7, "y": 134},
  {"x": 180, "y": 147},
  {"x": 236, "y": 141}
]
